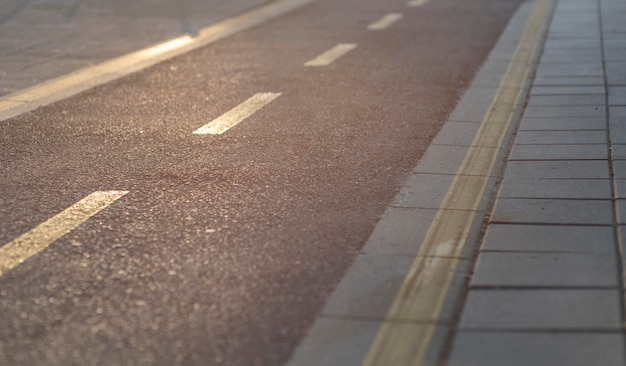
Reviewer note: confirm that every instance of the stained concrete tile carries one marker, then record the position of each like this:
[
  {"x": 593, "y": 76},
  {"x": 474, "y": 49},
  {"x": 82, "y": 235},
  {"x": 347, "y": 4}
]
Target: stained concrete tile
[
  {"x": 423, "y": 191},
  {"x": 537, "y": 349},
  {"x": 545, "y": 238},
  {"x": 548, "y": 309},
  {"x": 556, "y": 188},
  {"x": 559, "y": 152},
  {"x": 553, "y": 211},
  {"x": 567, "y": 100},
  {"x": 562, "y": 124},
  {"x": 369, "y": 287},
  {"x": 554, "y": 169},
  {"x": 560, "y": 137},
  {"x": 336, "y": 342},
  {"x": 546, "y": 270}
]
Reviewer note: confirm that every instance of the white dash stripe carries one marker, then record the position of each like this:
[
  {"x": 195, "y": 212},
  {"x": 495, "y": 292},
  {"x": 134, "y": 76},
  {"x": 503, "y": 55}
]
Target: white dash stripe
[
  {"x": 416, "y": 3},
  {"x": 385, "y": 21},
  {"x": 331, "y": 55},
  {"x": 231, "y": 118},
  {"x": 17, "y": 251}
]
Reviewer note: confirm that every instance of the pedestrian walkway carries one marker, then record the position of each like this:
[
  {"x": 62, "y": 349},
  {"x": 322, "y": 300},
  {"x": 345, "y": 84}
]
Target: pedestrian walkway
[
  {"x": 546, "y": 286},
  {"x": 43, "y": 39}
]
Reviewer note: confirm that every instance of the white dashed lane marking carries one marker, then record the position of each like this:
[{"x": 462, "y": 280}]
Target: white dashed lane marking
[
  {"x": 331, "y": 55},
  {"x": 233, "y": 117},
  {"x": 385, "y": 21},
  {"x": 17, "y": 251}
]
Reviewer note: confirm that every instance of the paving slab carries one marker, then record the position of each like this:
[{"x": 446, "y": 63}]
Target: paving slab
[
  {"x": 548, "y": 238},
  {"x": 566, "y": 100},
  {"x": 537, "y": 349},
  {"x": 566, "y": 137},
  {"x": 569, "y": 80},
  {"x": 457, "y": 133},
  {"x": 544, "y": 309},
  {"x": 369, "y": 287},
  {"x": 553, "y": 211},
  {"x": 567, "y": 90},
  {"x": 546, "y": 270},
  {"x": 556, "y": 188},
  {"x": 558, "y": 169},
  {"x": 560, "y": 152},
  {"x": 617, "y": 95},
  {"x": 423, "y": 191},
  {"x": 619, "y": 111},
  {"x": 563, "y": 124}
]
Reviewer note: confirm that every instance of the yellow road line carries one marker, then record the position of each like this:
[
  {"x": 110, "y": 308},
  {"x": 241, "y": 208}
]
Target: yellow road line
[
  {"x": 84, "y": 79},
  {"x": 416, "y": 3},
  {"x": 385, "y": 21},
  {"x": 17, "y": 251},
  {"x": 231, "y": 118},
  {"x": 426, "y": 285},
  {"x": 331, "y": 55}
]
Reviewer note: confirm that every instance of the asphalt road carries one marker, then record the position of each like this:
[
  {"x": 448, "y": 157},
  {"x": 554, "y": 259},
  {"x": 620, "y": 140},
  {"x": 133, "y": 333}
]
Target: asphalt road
[{"x": 226, "y": 246}]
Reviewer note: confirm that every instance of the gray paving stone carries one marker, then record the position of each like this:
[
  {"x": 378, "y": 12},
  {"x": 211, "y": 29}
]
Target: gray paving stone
[
  {"x": 442, "y": 159},
  {"x": 423, "y": 191},
  {"x": 560, "y": 137},
  {"x": 567, "y": 100},
  {"x": 369, "y": 287},
  {"x": 546, "y": 309},
  {"x": 619, "y": 151},
  {"x": 495, "y": 269},
  {"x": 563, "y": 124},
  {"x": 470, "y": 112},
  {"x": 621, "y": 208},
  {"x": 537, "y": 349},
  {"x": 559, "y": 152},
  {"x": 545, "y": 238},
  {"x": 619, "y": 111},
  {"x": 619, "y": 169},
  {"x": 571, "y": 169},
  {"x": 556, "y": 188},
  {"x": 620, "y": 187},
  {"x": 479, "y": 94},
  {"x": 569, "y": 80},
  {"x": 566, "y": 90},
  {"x": 457, "y": 133},
  {"x": 400, "y": 231},
  {"x": 564, "y": 111},
  {"x": 336, "y": 342},
  {"x": 553, "y": 211},
  {"x": 617, "y": 95}
]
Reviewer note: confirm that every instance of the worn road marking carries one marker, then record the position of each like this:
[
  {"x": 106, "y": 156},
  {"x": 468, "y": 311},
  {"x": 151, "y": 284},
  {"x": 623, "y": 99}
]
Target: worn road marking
[
  {"x": 331, "y": 55},
  {"x": 231, "y": 118},
  {"x": 385, "y": 21},
  {"x": 416, "y": 3},
  {"x": 423, "y": 292},
  {"x": 16, "y": 252},
  {"x": 65, "y": 86}
]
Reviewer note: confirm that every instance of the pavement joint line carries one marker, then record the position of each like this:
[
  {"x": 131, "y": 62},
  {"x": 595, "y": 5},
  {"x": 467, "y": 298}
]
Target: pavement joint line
[
  {"x": 385, "y": 22},
  {"x": 26, "y": 245},
  {"x": 331, "y": 55},
  {"x": 418, "y": 296},
  {"x": 84, "y": 79},
  {"x": 236, "y": 115},
  {"x": 417, "y": 3}
]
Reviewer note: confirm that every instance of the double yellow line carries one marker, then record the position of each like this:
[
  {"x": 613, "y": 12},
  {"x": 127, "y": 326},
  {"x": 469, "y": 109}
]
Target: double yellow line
[{"x": 426, "y": 285}]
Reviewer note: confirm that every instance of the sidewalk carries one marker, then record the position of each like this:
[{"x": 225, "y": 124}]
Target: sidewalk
[
  {"x": 41, "y": 40},
  {"x": 547, "y": 285}
]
